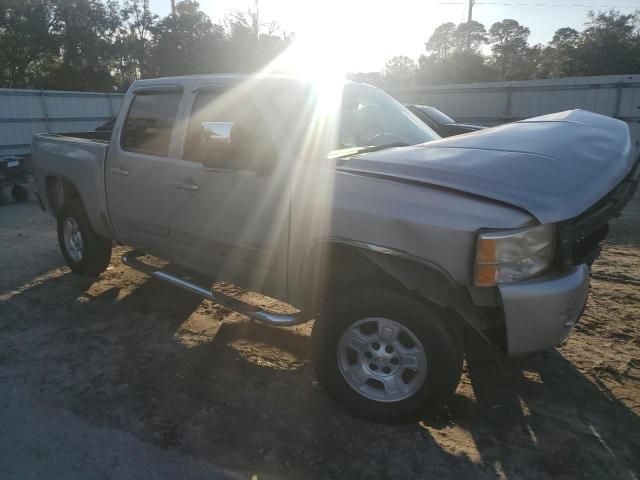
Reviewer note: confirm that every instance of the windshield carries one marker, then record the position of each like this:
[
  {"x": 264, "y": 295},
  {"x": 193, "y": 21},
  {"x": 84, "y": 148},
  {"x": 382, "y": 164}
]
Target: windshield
[
  {"x": 436, "y": 114},
  {"x": 362, "y": 117},
  {"x": 370, "y": 117}
]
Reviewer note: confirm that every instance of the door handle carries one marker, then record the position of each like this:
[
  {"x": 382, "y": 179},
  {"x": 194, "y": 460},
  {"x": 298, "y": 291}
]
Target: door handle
[
  {"x": 119, "y": 171},
  {"x": 191, "y": 187}
]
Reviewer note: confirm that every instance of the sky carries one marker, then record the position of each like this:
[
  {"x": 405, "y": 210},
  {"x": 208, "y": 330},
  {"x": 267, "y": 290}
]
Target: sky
[{"x": 368, "y": 33}]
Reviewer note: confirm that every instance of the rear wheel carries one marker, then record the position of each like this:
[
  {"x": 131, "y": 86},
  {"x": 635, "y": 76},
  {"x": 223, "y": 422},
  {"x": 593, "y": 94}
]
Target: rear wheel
[
  {"x": 385, "y": 355},
  {"x": 86, "y": 252}
]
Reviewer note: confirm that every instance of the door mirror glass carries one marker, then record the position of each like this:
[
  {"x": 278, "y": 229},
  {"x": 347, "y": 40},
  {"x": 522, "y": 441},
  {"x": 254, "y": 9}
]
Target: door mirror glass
[
  {"x": 216, "y": 133},
  {"x": 227, "y": 134}
]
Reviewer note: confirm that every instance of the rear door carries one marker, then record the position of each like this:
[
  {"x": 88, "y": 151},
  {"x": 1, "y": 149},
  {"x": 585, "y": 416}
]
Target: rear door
[{"x": 138, "y": 169}]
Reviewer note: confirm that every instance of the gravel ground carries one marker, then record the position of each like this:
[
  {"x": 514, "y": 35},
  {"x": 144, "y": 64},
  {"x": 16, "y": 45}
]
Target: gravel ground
[{"x": 125, "y": 377}]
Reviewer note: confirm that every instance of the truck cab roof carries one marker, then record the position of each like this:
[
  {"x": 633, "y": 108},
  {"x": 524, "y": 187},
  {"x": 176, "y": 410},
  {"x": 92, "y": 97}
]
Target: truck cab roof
[{"x": 193, "y": 81}]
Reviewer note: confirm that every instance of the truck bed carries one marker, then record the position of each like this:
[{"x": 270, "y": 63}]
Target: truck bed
[
  {"x": 78, "y": 158},
  {"x": 103, "y": 136}
]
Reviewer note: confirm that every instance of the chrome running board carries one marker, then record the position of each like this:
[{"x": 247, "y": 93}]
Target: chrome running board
[{"x": 131, "y": 259}]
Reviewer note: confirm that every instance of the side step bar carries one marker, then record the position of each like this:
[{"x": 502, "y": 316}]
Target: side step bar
[{"x": 278, "y": 319}]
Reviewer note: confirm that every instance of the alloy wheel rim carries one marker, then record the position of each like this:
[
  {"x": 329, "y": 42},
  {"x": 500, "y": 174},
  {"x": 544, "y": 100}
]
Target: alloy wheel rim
[
  {"x": 73, "y": 239},
  {"x": 381, "y": 359}
]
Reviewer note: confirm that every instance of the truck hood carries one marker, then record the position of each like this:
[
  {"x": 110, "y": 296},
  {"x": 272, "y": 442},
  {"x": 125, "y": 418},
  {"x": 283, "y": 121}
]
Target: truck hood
[{"x": 554, "y": 167}]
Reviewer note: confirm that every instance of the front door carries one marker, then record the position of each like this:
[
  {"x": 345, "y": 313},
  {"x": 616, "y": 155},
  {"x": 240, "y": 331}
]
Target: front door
[{"x": 231, "y": 202}]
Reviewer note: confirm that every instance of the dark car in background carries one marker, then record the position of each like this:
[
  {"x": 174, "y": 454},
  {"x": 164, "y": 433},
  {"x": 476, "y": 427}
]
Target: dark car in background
[{"x": 444, "y": 125}]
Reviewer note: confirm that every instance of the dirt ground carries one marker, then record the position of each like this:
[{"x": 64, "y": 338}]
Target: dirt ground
[{"x": 125, "y": 377}]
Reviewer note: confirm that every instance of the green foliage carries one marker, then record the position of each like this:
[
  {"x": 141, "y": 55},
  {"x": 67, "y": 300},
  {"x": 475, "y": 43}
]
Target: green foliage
[
  {"x": 511, "y": 53},
  {"x": 611, "y": 42},
  {"x": 400, "y": 71},
  {"x": 133, "y": 42},
  {"x": 186, "y": 43},
  {"x": 28, "y": 41},
  {"x": 608, "y": 45},
  {"x": 441, "y": 42},
  {"x": 107, "y": 44},
  {"x": 252, "y": 42},
  {"x": 559, "y": 57},
  {"x": 460, "y": 67},
  {"x": 85, "y": 30},
  {"x": 469, "y": 36}
]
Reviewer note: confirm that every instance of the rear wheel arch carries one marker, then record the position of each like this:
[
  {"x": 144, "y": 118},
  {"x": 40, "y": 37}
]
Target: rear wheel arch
[{"x": 60, "y": 191}]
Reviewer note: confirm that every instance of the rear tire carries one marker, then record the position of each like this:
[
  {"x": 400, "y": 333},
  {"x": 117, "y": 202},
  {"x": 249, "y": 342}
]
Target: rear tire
[
  {"x": 20, "y": 193},
  {"x": 385, "y": 355},
  {"x": 86, "y": 252}
]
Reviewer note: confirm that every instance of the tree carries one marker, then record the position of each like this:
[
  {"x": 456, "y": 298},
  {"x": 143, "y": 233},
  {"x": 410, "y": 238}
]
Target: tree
[
  {"x": 400, "y": 71},
  {"x": 442, "y": 41},
  {"x": 610, "y": 44},
  {"x": 454, "y": 55},
  {"x": 86, "y": 30},
  {"x": 133, "y": 42},
  {"x": 187, "y": 43},
  {"x": 469, "y": 36},
  {"x": 252, "y": 42},
  {"x": 26, "y": 41},
  {"x": 559, "y": 57},
  {"x": 511, "y": 52},
  {"x": 460, "y": 67},
  {"x": 106, "y": 44}
]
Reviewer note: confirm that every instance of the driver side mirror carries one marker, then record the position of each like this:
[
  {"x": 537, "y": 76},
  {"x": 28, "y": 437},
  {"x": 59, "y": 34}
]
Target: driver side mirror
[
  {"x": 216, "y": 133},
  {"x": 238, "y": 147}
]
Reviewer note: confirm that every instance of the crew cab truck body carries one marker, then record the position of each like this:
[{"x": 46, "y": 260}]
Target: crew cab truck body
[{"x": 337, "y": 200}]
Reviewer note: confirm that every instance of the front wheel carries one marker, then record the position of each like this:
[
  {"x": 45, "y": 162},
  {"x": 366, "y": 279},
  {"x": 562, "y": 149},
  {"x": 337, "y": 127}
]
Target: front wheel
[
  {"x": 385, "y": 355},
  {"x": 86, "y": 252}
]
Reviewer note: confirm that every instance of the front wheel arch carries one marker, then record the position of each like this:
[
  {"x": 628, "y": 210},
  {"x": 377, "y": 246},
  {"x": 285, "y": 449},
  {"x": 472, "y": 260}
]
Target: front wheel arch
[{"x": 332, "y": 266}]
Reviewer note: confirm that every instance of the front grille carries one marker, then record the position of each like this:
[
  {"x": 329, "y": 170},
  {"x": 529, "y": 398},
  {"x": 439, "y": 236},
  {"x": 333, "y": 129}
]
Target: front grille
[
  {"x": 586, "y": 248},
  {"x": 579, "y": 238}
]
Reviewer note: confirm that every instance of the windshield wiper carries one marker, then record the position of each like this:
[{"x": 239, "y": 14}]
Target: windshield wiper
[{"x": 352, "y": 152}]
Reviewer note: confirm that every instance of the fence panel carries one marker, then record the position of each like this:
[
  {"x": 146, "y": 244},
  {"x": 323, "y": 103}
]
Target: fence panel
[
  {"x": 26, "y": 112},
  {"x": 494, "y": 103}
]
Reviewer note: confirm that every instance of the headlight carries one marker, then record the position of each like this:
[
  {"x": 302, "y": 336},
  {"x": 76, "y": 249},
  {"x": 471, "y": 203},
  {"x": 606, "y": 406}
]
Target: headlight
[{"x": 503, "y": 257}]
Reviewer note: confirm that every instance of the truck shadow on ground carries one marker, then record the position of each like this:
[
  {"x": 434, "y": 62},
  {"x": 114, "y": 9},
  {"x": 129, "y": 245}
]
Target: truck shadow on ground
[
  {"x": 540, "y": 413},
  {"x": 156, "y": 361}
]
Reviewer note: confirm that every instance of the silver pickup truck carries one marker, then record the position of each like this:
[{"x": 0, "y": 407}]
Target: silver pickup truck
[{"x": 337, "y": 200}]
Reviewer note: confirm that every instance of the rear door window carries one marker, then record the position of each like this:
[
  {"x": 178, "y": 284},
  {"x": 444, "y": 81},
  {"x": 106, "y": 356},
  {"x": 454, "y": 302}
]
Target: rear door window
[{"x": 149, "y": 123}]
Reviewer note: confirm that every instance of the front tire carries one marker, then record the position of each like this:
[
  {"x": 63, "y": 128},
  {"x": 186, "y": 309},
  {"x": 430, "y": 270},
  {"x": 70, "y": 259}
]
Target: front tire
[
  {"x": 85, "y": 252},
  {"x": 385, "y": 355}
]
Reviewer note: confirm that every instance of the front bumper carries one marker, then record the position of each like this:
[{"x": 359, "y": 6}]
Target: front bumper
[{"x": 541, "y": 312}]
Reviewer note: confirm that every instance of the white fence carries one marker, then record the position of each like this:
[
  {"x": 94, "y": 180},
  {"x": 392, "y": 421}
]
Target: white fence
[
  {"x": 26, "y": 112},
  {"x": 499, "y": 102}
]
